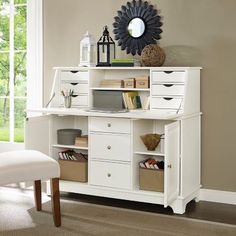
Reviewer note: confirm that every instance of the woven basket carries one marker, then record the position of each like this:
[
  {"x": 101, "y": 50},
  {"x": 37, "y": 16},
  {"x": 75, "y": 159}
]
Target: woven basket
[
  {"x": 153, "y": 55},
  {"x": 151, "y": 141}
]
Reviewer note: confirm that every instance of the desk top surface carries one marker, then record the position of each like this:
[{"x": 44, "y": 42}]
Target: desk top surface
[{"x": 131, "y": 114}]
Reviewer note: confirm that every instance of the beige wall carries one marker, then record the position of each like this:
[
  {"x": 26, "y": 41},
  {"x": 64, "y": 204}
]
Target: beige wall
[{"x": 195, "y": 33}]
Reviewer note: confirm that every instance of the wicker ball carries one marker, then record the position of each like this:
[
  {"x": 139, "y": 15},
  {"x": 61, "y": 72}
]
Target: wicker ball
[{"x": 153, "y": 55}]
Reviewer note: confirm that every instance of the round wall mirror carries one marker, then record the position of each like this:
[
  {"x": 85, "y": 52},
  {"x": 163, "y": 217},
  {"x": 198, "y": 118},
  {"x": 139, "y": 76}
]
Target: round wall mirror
[{"x": 136, "y": 27}]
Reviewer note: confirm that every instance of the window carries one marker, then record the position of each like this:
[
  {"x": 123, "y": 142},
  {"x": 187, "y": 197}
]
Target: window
[{"x": 13, "y": 55}]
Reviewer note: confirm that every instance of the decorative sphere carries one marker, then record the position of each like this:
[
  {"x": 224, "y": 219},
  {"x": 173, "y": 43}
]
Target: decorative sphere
[{"x": 153, "y": 55}]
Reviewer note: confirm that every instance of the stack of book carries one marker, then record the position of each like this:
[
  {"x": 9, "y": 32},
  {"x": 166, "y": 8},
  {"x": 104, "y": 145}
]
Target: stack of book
[
  {"x": 133, "y": 101},
  {"x": 111, "y": 83},
  {"x": 122, "y": 62},
  {"x": 152, "y": 164},
  {"x": 71, "y": 155}
]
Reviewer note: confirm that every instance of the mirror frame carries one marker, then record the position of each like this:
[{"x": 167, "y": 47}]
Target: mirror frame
[{"x": 152, "y": 21}]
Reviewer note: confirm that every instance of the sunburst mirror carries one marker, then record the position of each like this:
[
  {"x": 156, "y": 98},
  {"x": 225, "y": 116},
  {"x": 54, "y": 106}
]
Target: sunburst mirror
[{"x": 137, "y": 25}]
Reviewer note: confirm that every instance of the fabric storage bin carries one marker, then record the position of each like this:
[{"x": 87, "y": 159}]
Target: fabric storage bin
[
  {"x": 74, "y": 170},
  {"x": 151, "y": 179}
]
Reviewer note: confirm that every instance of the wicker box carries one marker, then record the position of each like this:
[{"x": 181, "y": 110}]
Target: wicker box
[
  {"x": 74, "y": 170},
  {"x": 142, "y": 82},
  {"x": 129, "y": 83},
  {"x": 82, "y": 141},
  {"x": 151, "y": 179}
]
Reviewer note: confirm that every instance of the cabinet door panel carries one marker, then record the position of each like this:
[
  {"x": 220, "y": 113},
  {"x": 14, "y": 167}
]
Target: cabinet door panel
[
  {"x": 37, "y": 134},
  {"x": 171, "y": 174}
]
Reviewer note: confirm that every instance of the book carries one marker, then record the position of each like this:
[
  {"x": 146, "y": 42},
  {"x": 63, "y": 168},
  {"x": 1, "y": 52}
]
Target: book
[
  {"x": 141, "y": 164},
  {"x": 71, "y": 155},
  {"x": 122, "y": 64},
  {"x": 146, "y": 103},
  {"x": 122, "y": 60},
  {"x": 131, "y": 101},
  {"x": 138, "y": 103}
]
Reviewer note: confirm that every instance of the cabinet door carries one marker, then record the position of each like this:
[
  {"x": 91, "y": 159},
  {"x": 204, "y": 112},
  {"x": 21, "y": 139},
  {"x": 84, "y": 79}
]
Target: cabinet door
[
  {"x": 172, "y": 152},
  {"x": 37, "y": 134}
]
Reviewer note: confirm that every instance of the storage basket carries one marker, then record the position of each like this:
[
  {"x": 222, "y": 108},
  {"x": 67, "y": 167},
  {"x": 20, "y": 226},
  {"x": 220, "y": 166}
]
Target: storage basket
[
  {"x": 151, "y": 179},
  {"x": 74, "y": 170}
]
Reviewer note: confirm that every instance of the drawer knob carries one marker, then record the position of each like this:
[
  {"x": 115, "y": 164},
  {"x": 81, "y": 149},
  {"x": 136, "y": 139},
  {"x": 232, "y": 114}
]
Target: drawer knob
[
  {"x": 169, "y": 166},
  {"x": 109, "y": 125},
  {"x": 109, "y": 175},
  {"x": 109, "y": 147}
]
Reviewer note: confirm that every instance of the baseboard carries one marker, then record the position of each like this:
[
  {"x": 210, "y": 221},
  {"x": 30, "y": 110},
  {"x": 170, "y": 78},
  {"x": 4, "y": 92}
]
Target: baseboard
[{"x": 217, "y": 196}]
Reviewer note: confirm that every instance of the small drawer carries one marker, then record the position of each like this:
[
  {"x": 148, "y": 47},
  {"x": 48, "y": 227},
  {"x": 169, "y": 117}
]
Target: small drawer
[
  {"x": 79, "y": 100},
  {"x": 74, "y": 75},
  {"x": 115, "y": 175},
  {"x": 168, "y": 89},
  {"x": 168, "y": 76},
  {"x": 166, "y": 102},
  {"x": 107, "y": 124},
  {"x": 78, "y": 88},
  {"x": 168, "y": 111},
  {"x": 110, "y": 147}
]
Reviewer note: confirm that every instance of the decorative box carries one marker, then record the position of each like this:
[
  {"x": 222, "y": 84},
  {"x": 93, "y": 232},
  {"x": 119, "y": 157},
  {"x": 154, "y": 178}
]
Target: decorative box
[
  {"x": 142, "y": 82},
  {"x": 129, "y": 83},
  {"x": 82, "y": 141}
]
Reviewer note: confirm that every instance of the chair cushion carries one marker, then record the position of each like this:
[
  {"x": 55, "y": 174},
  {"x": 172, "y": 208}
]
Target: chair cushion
[{"x": 27, "y": 165}]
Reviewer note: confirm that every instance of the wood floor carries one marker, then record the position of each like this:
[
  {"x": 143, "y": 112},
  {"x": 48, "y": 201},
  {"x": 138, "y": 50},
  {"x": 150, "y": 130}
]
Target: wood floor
[{"x": 215, "y": 212}]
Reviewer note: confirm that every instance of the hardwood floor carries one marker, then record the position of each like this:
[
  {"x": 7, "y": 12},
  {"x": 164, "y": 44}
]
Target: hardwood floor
[{"x": 215, "y": 212}]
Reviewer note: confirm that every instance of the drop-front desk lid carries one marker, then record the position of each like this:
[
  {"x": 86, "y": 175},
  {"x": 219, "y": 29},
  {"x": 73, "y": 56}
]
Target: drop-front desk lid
[{"x": 140, "y": 114}]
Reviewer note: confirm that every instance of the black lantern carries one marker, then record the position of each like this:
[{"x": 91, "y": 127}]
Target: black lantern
[{"x": 105, "y": 49}]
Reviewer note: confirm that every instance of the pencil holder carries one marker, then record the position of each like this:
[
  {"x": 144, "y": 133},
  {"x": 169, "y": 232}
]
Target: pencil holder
[{"x": 67, "y": 101}]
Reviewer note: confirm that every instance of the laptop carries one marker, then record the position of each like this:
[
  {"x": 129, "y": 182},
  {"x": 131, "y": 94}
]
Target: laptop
[{"x": 108, "y": 102}]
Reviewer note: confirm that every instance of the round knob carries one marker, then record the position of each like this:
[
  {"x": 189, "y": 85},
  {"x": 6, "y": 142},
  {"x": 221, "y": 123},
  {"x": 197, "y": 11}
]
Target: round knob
[
  {"x": 109, "y": 147},
  {"x": 109, "y": 175},
  {"x": 169, "y": 166},
  {"x": 109, "y": 125}
]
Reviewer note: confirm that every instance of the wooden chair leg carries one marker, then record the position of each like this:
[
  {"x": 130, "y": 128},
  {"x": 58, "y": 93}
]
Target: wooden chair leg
[
  {"x": 38, "y": 195},
  {"x": 55, "y": 194}
]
